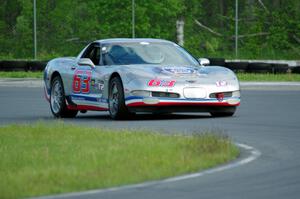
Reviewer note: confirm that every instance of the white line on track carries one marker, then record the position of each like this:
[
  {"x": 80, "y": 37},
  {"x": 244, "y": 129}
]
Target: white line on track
[
  {"x": 254, "y": 154},
  {"x": 245, "y": 84}
]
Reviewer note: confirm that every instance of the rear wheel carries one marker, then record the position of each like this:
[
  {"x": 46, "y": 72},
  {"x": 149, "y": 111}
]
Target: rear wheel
[
  {"x": 228, "y": 112},
  {"x": 57, "y": 100},
  {"x": 117, "y": 107}
]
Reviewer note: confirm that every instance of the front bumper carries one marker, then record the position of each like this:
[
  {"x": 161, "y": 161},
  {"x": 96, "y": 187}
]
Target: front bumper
[{"x": 151, "y": 104}]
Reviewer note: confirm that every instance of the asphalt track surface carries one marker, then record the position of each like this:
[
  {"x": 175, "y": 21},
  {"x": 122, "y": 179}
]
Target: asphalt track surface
[{"x": 268, "y": 119}]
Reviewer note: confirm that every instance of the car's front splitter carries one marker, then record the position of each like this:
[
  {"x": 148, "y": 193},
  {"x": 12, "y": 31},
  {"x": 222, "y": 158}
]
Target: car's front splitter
[{"x": 145, "y": 101}]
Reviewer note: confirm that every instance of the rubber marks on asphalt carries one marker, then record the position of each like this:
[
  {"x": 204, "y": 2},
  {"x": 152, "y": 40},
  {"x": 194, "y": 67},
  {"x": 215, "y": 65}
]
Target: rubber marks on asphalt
[{"x": 251, "y": 155}]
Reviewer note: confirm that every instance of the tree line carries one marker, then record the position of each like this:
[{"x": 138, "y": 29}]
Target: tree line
[{"x": 267, "y": 28}]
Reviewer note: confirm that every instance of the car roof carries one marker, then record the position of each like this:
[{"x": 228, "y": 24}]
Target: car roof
[{"x": 131, "y": 40}]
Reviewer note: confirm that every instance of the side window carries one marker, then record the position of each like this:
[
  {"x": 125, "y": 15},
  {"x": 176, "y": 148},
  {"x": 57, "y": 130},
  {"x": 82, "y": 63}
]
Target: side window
[
  {"x": 93, "y": 53},
  {"x": 96, "y": 58}
]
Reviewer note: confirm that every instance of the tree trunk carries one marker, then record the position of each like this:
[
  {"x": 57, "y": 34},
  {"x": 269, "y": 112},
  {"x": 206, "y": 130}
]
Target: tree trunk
[{"x": 180, "y": 31}]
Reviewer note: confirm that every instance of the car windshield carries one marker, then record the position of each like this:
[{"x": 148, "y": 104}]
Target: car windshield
[{"x": 146, "y": 53}]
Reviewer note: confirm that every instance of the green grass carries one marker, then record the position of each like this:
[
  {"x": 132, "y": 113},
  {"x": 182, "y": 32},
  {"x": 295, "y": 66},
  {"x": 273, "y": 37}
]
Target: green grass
[
  {"x": 45, "y": 159},
  {"x": 21, "y": 74},
  {"x": 269, "y": 77}
]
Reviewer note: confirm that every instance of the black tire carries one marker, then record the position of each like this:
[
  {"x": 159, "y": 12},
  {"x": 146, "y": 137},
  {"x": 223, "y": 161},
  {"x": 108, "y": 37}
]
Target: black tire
[
  {"x": 296, "y": 69},
  {"x": 237, "y": 66},
  {"x": 58, "y": 100},
  {"x": 225, "y": 112},
  {"x": 35, "y": 65},
  {"x": 280, "y": 68},
  {"x": 216, "y": 61},
  {"x": 12, "y": 65},
  {"x": 257, "y": 67},
  {"x": 116, "y": 101}
]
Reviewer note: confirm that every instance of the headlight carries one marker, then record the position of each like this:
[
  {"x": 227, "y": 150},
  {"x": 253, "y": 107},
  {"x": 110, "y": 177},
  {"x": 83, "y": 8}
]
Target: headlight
[{"x": 236, "y": 94}]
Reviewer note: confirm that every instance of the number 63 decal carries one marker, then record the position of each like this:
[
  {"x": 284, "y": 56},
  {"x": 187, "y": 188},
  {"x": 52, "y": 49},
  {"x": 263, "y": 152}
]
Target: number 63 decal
[
  {"x": 162, "y": 83},
  {"x": 81, "y": 81}
]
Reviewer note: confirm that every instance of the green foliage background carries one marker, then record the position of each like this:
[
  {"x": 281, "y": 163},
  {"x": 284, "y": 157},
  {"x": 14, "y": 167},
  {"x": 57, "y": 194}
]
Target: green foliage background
[{"x": 64, "y": 27}]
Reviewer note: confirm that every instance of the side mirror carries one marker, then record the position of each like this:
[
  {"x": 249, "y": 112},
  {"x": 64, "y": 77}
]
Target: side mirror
[
  {"x": 86, "y": 62},
  {"x": 203, "y": 61}
]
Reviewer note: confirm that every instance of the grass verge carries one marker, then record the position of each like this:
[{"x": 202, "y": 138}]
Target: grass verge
[
  {"x": 44, "y": 159},
  {"x": 21, "y": 74},
  {"x": 269, "y": 77}
]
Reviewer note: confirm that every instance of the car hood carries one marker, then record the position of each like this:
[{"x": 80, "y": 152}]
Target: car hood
[{"x": 177, "y": 72}]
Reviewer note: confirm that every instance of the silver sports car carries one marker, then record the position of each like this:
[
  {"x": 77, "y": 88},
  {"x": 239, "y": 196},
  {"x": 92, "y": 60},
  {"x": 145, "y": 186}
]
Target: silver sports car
[{"x": 127, "y": 76}]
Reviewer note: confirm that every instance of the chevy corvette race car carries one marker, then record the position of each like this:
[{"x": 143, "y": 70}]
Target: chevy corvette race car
[{"x": 125, "y": 76}]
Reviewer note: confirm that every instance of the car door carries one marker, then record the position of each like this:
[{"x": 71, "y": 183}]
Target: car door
[{"x": 87, "y": 83}]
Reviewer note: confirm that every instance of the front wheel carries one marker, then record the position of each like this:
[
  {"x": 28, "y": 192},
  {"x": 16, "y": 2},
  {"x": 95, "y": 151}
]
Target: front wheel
[
  {"x": 117, "y": 107},
  {"x": 57, "y": 100}
]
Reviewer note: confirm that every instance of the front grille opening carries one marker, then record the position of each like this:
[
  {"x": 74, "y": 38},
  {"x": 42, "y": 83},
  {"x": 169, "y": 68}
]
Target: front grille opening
[
  {"x": 165, "y": 94},
  {"x": 226, "y": 94}
]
